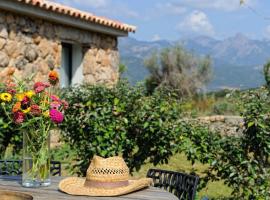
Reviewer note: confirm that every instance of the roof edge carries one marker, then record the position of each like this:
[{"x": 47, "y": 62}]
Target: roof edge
[{"x": 67, "y": 15}]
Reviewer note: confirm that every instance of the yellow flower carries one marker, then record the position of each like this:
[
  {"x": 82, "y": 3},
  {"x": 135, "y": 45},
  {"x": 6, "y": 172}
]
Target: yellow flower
[
  {"x": 20, "y": 96},
  {"x": 5, "y": 97},
  {"x": 29, "y": 93},
  {"x": 46, "y": 113},
  {"x": 27, "y": 110}
]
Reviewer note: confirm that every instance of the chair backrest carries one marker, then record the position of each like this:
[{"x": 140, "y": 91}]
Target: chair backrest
[
  {"x": 180, "y": 184},
  {"x": 14, "y": 168}
]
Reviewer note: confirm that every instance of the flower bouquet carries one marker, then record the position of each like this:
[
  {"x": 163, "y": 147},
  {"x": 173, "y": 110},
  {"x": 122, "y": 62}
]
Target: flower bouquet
[{"x": 35, "y": 111}]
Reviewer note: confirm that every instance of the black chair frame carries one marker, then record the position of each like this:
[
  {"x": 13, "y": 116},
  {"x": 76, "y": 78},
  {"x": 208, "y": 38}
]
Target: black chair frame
[
  {"x": 180, "y": 184},
  {"x": 14, "y": 168}
]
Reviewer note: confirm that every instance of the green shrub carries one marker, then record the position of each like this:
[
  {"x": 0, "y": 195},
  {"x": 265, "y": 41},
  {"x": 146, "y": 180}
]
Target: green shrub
[
  {"x": 242, "y": 162},
  {"x": 120, "y": 121},
  {"x": 9, "y": 134}
]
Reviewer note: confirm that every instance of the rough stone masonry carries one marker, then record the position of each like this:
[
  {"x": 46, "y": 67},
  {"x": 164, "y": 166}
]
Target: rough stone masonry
[{"x": 34, "y": 46}]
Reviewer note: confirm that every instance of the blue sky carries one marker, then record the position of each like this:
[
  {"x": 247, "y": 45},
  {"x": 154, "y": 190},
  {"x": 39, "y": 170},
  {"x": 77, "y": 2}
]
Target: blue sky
[{"x": 175, "y": 19}]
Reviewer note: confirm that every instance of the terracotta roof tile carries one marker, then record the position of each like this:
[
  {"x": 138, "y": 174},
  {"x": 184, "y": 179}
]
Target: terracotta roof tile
[{"x": 62, "y": 9}]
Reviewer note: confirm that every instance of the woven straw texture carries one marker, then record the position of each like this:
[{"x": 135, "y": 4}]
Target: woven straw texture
[
  {"x": 75, "y": 186},
  {"x": 110, "y": 170}
]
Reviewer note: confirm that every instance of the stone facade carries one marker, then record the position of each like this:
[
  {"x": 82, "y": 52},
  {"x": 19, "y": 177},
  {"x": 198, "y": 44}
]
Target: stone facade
[{"x": 34, "y": 46}]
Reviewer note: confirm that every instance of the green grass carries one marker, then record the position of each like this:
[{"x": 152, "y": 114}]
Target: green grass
[{"x": 178, "y": 162}]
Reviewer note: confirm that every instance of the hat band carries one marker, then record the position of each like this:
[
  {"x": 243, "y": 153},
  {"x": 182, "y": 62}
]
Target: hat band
[{"x": 107, "y": 185}]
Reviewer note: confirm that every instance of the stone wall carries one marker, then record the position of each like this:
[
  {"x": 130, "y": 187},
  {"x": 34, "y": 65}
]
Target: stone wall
[
  {"x": 34, "y": 46},
  {"x": 225, "y": 125}
]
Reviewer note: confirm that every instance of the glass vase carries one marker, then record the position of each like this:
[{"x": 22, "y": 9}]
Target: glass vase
[{"x": 36, "y": 158}]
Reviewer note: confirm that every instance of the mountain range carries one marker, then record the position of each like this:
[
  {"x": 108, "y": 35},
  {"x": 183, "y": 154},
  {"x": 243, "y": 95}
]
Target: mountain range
[{"x": 237, "y": 61}]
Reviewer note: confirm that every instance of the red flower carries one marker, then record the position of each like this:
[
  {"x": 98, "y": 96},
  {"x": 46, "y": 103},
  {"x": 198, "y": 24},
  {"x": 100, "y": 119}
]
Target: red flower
[
  {"x": 25, "y": 101},
  {"x": 53, "y": 77},
  {"x": 11, "y": 91},
  {"x": 39, "y": 87},
  {"x": 35, "y": 110},
  {"x": 18, "y": 117}
]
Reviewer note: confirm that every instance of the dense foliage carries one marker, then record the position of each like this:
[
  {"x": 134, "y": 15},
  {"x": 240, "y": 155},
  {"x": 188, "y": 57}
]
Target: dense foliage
[
  {"x": 178, "y": 69},
  {"x": 120, "y": 121},
  {"x": 9, "y": 133},
  {"x": 242, "y": 162}
]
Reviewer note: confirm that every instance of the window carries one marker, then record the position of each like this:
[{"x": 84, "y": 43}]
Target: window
[{"x": 71, "y": 65}]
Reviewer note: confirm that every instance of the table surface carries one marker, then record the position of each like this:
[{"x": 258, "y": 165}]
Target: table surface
[{"x": 52, "y": 192}]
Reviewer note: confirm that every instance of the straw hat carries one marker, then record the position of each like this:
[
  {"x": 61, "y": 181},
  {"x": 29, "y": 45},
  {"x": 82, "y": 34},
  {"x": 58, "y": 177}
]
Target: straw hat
[{"x": 104, "y": 177}]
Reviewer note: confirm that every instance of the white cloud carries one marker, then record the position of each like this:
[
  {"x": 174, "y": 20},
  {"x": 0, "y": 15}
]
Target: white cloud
[
  {"x": 171, "y": 8},
  {"x": 197, "y": 22},
  {"x": 156, "y": 37}
]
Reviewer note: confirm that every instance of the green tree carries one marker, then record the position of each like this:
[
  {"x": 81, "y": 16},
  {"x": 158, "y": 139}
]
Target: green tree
[{"x": 176, "y": 68}]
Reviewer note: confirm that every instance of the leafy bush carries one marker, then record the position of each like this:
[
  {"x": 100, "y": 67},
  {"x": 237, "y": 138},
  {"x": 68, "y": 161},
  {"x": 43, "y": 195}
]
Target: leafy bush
[
  {"x": 9, "y": 134},
  {"x": 120, "y": 121},
  {"x": 242, "y": 162}
]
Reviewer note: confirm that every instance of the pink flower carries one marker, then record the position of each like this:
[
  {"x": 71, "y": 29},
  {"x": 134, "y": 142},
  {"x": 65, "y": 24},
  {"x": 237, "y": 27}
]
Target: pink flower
[
  {"x": 55, "y": 105},
  {"x": 18, "y": 117},
  {"x": 39, "y": 86},
  {"x": 55, "y": 98},
  {"x": 56, "y": 116}
]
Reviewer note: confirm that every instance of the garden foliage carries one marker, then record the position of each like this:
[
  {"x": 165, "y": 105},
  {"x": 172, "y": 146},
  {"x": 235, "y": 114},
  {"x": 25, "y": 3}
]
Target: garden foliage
[
  {"x": 9, "y": 133},
  {"x": 241, "y": 161},
  {"x": 121, "y": 120}
]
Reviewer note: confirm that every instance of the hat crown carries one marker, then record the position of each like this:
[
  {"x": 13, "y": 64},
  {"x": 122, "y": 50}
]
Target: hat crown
[{"x": 111, "y": 169}]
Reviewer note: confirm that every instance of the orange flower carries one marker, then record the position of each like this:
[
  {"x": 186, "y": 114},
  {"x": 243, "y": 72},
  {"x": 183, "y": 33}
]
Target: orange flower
[
  {"x": 16, "y": 107},
  {"x": 53, "y": 77}
]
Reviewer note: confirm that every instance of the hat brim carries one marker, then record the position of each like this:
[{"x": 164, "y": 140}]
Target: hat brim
[{"x": 75, "y": 186}]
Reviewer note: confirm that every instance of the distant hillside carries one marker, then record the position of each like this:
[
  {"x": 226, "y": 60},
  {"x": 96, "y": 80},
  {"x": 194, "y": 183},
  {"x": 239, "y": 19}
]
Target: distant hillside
[{"x": 237, "y": 61}]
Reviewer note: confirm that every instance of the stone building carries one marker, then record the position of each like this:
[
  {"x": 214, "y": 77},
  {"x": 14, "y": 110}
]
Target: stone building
[{"x": 38, "y": 35}]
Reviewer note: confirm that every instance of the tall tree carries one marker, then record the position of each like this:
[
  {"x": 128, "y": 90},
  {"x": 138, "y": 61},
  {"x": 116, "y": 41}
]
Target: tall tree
[{"x": 176, "y": 68}]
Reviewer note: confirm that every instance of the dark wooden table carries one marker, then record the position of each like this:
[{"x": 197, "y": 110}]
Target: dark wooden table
[{"x": 52, "y": 192}]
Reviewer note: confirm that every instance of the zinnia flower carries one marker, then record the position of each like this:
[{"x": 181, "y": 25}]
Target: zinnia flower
[
  {"x": 35, "y": 110},
  {"x": 5, "y": 97},
  {"x": 55, "y": 105},
  {"x": 29, "y": 93},
  {"x": 27, "y": 110},
  {"x": 56, "y": 116},
  {"x": 20, "y": 96},
  {"x": 55, "y": 98},
  {"x": 39, "y": 87},
  {"x": 16, "y": 107},
  {"x": 46, "y": 113},
  {"x": 53, "y": 77},
  {"x": 10, "y": 87},
  {"x": 11, "y": 91},
  {"x": 18, "y": 117},
  {"x": 25, "y": 101}
]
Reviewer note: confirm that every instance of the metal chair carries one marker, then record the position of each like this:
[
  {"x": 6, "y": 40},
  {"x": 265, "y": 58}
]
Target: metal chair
[
  {"x": 14, "y": 168},
  {"x": 181, "y": 185}
]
